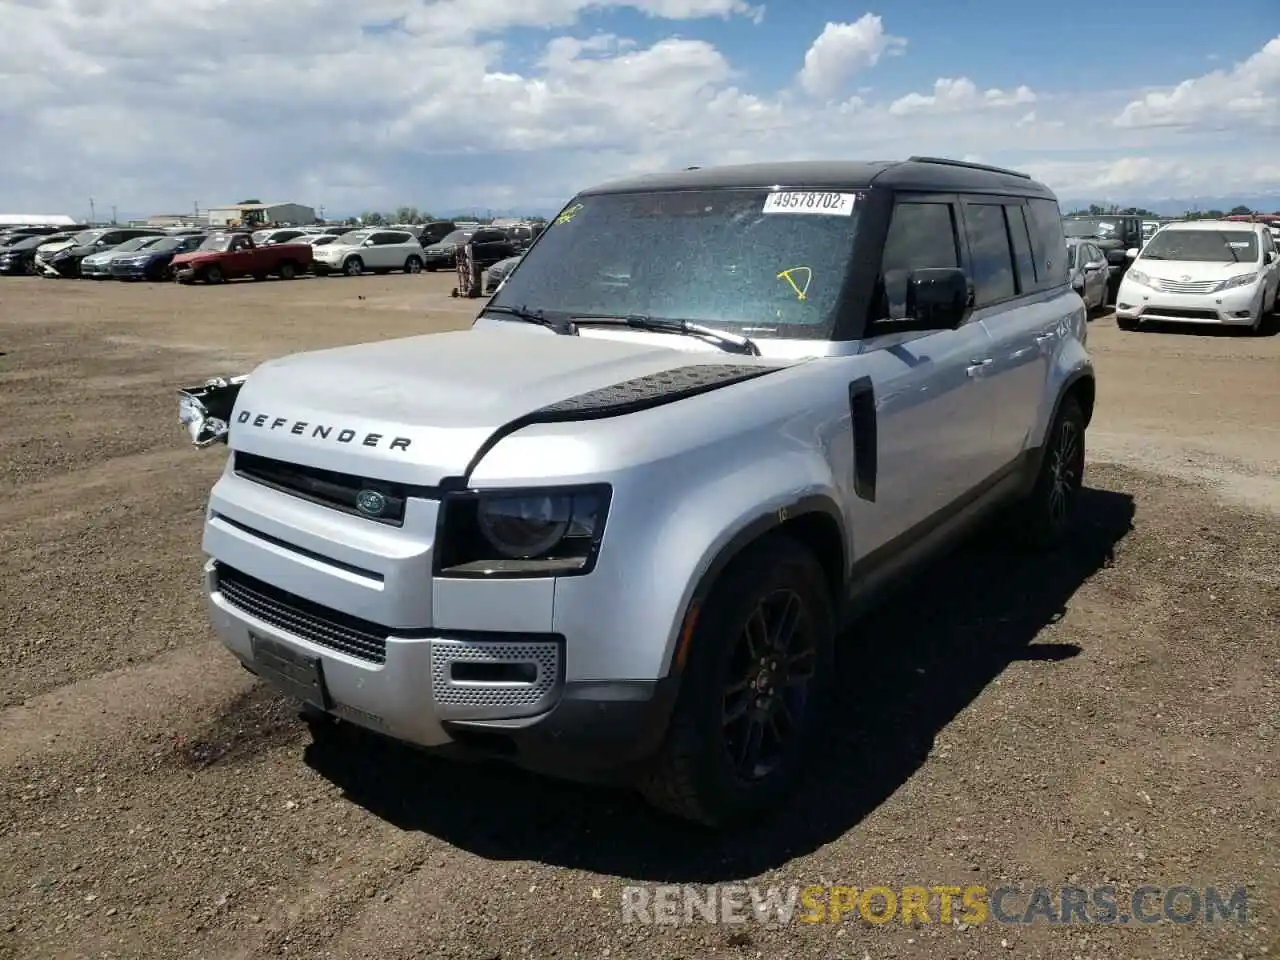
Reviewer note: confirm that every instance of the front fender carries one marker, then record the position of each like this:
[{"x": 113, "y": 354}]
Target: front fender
[{"x": 664, "y": 540}]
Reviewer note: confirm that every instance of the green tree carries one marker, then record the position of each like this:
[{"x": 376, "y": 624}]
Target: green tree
[
  {"x": 1240, "y": 211},
  {"x": 246, "y": 202}
]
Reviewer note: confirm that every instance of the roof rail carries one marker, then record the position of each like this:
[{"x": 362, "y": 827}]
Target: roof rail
[{"x": 970, "y": 166}]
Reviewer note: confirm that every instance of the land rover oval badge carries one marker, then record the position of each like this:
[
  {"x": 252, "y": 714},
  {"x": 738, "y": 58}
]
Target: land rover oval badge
[{"x": 371, "y": 503}]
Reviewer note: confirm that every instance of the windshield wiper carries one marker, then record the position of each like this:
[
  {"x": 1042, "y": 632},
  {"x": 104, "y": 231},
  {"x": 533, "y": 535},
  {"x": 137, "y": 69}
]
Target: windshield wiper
[
  {"x": 729, "y": 342},
  {"x": 523, "y": 313}
]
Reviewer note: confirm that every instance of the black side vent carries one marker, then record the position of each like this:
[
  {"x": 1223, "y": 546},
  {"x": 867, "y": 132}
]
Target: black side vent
[
  {"x": 649, "y": 390},
  {"x": 339, "y": 491}
]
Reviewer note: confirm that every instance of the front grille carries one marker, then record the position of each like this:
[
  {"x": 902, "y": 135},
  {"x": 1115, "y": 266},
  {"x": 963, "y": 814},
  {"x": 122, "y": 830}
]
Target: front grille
[
  {"x": 1179, "y": 314},
  {"x": 339, "y": 491},
  {"x": 1189, "y": 286},
  {"x": 302, "y": 618}
]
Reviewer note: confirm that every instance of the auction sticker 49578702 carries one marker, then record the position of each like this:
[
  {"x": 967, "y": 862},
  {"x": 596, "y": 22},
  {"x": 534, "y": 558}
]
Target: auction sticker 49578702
[{"x": 810, "y": 201}]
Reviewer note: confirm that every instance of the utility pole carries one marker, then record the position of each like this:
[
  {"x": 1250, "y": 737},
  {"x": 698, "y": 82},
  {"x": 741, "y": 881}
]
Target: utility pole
[
  {"x": 92, "y": 213},
  {"x": 113, "y": 214}
]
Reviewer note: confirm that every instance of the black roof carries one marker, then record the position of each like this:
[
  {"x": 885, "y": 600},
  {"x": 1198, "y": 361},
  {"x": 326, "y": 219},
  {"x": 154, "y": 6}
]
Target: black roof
[{"x": 914, "y": 173}]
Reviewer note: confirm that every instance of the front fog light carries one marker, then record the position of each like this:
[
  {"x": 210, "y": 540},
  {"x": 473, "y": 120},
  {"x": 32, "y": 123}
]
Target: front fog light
[{"x": 538, "y": 533}]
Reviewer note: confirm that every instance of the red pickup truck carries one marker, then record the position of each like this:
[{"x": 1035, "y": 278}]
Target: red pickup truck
[{"x": 225, "y": 256}]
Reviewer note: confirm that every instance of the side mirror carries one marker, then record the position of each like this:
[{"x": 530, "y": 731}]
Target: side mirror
[
  {"x": 1132, "y": 253},
  {"x": 1095, "y": 264},
  {"x": 1272, "y": 256},
  {"x": 937, "y": 298}
]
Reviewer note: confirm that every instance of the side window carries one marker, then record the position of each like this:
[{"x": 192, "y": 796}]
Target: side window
[
  {"x": 393, "y": 238},
  {"x": 1021, "y": 248},
  {"x": 921, "y": 234},
  {"x": 1048, "y": 245},
  {"x": 990, "y": 252}
]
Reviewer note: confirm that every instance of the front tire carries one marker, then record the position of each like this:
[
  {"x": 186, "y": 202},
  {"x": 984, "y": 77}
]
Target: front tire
[
  {"x": 353, "y": 267},
  {"x": 759, "y": 673},
  {"x": 214, "y": 274},
  {"x": 1126, "y": 323},
  {"x": 1046, "y": 516},
  {"x": 413, "y": 265}
]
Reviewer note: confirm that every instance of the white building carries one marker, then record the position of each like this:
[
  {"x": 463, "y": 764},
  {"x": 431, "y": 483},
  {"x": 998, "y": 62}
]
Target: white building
[
  {"x": 288, "y": 213},
  {"x": 35, "y": 220}
]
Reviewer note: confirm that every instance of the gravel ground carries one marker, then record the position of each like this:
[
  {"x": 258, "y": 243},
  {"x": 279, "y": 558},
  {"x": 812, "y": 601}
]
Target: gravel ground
[{"x": 1109, "y": 715}]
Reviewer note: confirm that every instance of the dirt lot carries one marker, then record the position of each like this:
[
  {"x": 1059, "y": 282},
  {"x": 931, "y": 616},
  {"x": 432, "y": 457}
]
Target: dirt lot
[{"x": 1108, "y": 715}]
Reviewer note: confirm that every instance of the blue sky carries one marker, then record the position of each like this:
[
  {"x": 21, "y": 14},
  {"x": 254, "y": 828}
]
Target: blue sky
[{"x": 488, "y": 104}]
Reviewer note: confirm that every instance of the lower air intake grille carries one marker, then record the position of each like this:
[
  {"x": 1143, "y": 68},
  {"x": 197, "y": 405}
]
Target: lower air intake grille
[{"x": 302, "y": 618}]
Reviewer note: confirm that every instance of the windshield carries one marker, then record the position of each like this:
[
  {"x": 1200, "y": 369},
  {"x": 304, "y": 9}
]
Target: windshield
[
  {"x": 1212, "y": 246},
  {"x": 165, "y": 244},
  {"x": 353, "y": 238},
  {"x": 218, "y": 241},
  {"x": 1092, "y": 227},
  {"x": 759, "y": 264},
  {"x": 458, "y": 236},
  {"x": 86, "y": 237},
  {"x": 137, "y": 243},
  {"x": 29, "y": 243}
]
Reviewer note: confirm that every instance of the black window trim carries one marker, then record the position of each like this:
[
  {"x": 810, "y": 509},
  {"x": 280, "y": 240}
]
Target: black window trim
[
  {"x": 1001, "y": 201},
  {"x": 875, "y": 234}
]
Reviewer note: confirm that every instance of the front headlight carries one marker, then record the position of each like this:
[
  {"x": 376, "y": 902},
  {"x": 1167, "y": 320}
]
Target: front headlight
[
  {"x": 533, "y": 533},
  {"x": 1137, "y": 276},
  {"x": 1242, "y": 280}
]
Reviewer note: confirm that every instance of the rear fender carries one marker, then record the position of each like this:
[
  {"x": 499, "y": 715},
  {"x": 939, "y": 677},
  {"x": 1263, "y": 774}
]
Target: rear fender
[{"x": 206, "y": 410}]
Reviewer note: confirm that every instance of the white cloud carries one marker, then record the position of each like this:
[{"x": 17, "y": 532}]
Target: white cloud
[
  {"x": 844, "y": 49},
  {"x": 153, "y": 106},
  {"x": 960, "y": 95},
  {"x": 1246, "y": 95}
]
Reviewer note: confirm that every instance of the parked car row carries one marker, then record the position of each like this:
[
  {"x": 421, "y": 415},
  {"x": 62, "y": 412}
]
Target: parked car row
[{"x": 215, "y": 255}]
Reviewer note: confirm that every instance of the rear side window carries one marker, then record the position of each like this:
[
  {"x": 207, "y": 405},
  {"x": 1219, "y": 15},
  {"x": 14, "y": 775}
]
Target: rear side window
[
  {"x": 990, "y": 253},
  {"x": 391, "y": 238},
  {"x": 1048, "y": 245},
  {"x": 921, "y": 235}
]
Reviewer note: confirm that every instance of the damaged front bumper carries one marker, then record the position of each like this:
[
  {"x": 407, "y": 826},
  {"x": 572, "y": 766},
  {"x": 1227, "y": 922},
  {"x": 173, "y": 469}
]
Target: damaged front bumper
[{"x": 206, "y": 410}]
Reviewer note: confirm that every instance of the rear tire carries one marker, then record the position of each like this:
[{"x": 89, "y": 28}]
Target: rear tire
[
  {"x": 1043, "y": 520},
  {"x": 287, "y": 270},
  {"x": 746, "y": 691}
]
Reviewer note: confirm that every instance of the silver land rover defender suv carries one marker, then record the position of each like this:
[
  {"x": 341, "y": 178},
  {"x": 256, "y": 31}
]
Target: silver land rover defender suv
[{"x": 616, "y": 527}]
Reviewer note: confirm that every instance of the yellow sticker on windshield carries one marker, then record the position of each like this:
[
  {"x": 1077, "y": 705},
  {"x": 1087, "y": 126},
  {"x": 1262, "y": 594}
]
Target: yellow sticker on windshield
[
  {"x": 800, "y": 287},
  {"x": 569, "y": 213}
]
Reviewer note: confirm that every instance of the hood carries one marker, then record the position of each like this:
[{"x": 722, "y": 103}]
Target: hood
[
  {"x": 48, "y": 248},
  {"x": 80, "y": 252},
  {"x": 141, "y": 254},
  {"x": 1190, "y": 271},
  {"x": 190, "y": 256},
  {"x": 417, "y": 410}
]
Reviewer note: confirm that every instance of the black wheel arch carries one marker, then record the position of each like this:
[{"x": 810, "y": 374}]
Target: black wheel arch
[{"x": 814, "y": 521}]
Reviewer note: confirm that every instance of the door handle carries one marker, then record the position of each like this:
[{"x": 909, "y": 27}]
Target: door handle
[
  {"x": 977, "y": 366},
  {"x": 1046, "y": 337}
]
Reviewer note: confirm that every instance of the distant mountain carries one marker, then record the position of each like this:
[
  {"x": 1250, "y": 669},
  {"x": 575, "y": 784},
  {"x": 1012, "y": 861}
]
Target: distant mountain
[{"x": 1175, "y": 206}]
